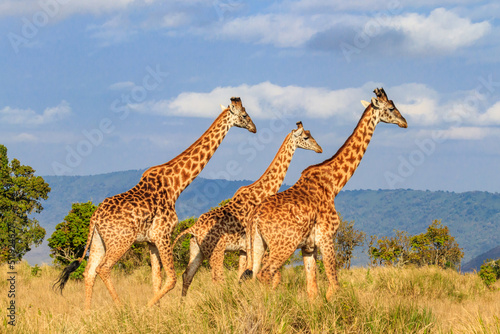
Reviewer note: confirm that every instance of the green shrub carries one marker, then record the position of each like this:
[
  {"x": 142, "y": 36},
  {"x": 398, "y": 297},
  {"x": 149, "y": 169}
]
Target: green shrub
[
  {"x": 36, "y": 271},
  {"x": 490, "y": 272}
]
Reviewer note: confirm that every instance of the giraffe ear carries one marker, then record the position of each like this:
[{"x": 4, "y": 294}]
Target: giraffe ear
[
  {"x": 375, "y": 103},
  {"x": 365, "y": 103},
  {"x": 300, "y": 129},
  {"x": 222, "y": 107}
]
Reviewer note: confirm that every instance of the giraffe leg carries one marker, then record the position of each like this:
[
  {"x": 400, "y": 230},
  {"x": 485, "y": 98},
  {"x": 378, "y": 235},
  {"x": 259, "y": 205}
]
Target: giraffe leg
[
  {"x": 217, "y": 261},
  {"x": 242, "y": 263},
  {"x": 97, "y": 252},
  {"x": 274, "y": 263},
  {"x": 160, "y": 234},
  {"x": 249, "y": 232},
  {"x": 155, "y": 268},
  {"x": 112, "y": 256},
  {"x": 195, "y": 260},
  {"x": 258, "y": 249},
  {"x": 276, "y": 277},
  {"x": 328, "y": 253},
  {"x": 309, "y": 259},
  {"x": 327, "y": 228},
  {"x": 166, "y": 255}
]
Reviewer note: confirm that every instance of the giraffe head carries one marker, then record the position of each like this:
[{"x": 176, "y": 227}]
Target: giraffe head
[
  {"x": 239, "y": 116},
  {"x": 303, "y": 139},
  {"x": 385, "y": 108}
]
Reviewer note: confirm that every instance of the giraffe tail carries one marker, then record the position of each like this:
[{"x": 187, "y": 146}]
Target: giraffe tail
[
  {"x": 73, "y": 266},
  {"x": 186, "y": 231}
]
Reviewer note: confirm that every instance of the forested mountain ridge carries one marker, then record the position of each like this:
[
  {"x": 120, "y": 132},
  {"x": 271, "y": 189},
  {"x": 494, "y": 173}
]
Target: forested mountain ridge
[
  {"x": 475, "y": 263},
  {"x": 472, "y": 217}
]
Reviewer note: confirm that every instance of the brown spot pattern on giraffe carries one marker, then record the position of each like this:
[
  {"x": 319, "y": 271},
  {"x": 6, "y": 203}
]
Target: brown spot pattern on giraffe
[
  {"x": 147, "y": 211},
  {"x": 224, "y": 228},
  {"x": 290, "y": 219}
]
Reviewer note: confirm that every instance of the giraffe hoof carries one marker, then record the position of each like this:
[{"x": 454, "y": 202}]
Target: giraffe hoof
[{"x": 246, "y": 275}]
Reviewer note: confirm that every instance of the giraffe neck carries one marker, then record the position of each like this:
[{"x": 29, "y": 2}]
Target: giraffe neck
[
  {"x": 179, "y": 172},
  {"x": 270, "y": 182},
  {"x": 336, "y": 171}
]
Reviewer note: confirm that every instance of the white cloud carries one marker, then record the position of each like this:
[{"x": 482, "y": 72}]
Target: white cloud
[
  {"x": 280, "y": 30},
  {"x": 491, "y": 116},
  {"x": 124, "y": 85},
  {"x": 39, "y": 137},
  {"x": 175, "y": 19},
  {"x": 113, "y": 31},
  {"x": 59, "y": 9},
  {"x": 422, "y": 111},
  {"x": 421, "y": 105},
  {"x": 442, "y": 31},
  {"x": 467, "y": 133},
  {"x": 24, "y": 138},
  {"x": 16, "y": 116},
  {"x": 372, "y": 5},
  {"x": 266, "y": 100},
  {"x": 417, "y": 102},
  {"x": 292, "y": 24}
]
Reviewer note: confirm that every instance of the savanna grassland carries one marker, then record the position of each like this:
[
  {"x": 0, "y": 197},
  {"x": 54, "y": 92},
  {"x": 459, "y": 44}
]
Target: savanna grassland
[{"x": 375, "y": 300}]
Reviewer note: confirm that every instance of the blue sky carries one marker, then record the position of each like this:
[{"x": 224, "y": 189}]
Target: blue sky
[{"x": 91, "y": 87}]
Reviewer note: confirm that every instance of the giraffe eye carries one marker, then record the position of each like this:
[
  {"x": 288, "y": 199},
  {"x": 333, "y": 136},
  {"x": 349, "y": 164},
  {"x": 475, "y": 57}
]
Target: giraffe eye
[
  {"x": 245, "y": 116},
  {"x": 306, "y": 138}
]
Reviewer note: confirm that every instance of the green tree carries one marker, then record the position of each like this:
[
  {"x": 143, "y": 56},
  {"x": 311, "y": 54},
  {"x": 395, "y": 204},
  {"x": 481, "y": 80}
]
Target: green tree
[
  {"x": 346, "y": 239},
  {"x": 490, "y": 271},
  {"x": 20, "y": 195},
  {"x": 434, "y": 247},
  {"x": 221, "y": 204},
  {"x": 390, "y": 251},
  {"x": 68, "y": 241}
]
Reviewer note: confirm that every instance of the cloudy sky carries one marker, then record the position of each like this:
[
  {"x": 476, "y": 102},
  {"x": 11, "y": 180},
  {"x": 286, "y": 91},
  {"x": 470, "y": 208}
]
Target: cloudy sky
[{"x": 90, "y": 87}]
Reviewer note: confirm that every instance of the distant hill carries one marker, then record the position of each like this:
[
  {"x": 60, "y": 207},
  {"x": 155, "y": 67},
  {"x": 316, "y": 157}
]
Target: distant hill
[
  {"x": 472, "y": 217},
  {"x": 197, "y": 198},
  {"x": 475, "y": 263}
]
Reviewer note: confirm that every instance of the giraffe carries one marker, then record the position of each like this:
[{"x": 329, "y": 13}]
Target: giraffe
[
  {"x": 304, "y": 215},
  {"x": 147, "y": 211},
  {"x": 223, "y": 229}
]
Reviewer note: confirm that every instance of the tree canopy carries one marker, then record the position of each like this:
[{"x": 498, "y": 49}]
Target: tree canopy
[
  {"x": 21, "y": 193},
  {"x": 68, "y": 241},
  {"x": 490, "y": 271},
  {"x": 434, "y": 247},
  {"x": 346, "y": 239}
]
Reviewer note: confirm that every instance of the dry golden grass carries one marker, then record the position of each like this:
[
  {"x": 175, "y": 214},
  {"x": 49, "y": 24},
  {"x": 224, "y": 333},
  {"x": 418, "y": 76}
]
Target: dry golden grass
[{"x": 377, "y": 300}]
